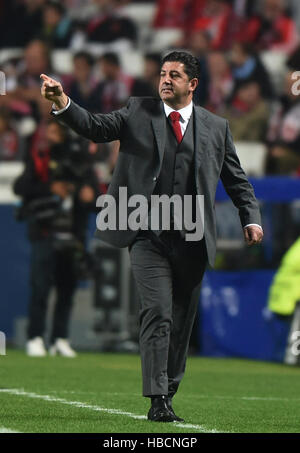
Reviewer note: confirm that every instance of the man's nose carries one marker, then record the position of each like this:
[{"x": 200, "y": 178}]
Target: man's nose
[{"x": 166, "y": 79}]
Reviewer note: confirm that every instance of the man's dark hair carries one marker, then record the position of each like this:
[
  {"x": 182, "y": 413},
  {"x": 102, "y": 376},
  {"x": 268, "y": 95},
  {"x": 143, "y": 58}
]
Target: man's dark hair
[{"x": 191, "y": 63}]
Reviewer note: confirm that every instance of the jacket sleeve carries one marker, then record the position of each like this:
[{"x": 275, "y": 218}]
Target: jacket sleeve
[
  {"x": 98, "y": 127},
  {"x": 237, "y": 185}
]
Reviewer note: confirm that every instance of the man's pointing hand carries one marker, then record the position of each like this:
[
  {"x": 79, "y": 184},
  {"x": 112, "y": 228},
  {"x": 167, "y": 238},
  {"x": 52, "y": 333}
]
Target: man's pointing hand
[{"x": 53, "y": 91}]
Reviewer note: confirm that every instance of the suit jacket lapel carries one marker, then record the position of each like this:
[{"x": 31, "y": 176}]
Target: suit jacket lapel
[
  {"x": 202, "y": 127},
  {"x": 201, "y": 134},
  {"x": 159, "y": 128}
]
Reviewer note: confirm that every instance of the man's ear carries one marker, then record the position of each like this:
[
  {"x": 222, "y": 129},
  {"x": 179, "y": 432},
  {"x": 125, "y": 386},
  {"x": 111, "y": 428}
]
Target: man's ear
[{"x": 194, "y": 83}]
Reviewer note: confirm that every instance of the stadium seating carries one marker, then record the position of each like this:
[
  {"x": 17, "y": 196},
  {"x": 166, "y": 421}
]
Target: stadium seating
[
  {"x": 163, "y": 38},
  {"x": 252, "y": 157}
]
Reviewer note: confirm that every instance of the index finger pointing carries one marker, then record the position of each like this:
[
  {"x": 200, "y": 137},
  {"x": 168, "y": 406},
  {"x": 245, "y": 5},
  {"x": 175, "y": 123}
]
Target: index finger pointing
[{"x": 45, "y": 78}]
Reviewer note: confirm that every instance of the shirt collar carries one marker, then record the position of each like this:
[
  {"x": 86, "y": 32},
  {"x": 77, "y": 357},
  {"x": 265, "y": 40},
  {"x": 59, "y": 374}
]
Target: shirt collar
[{"x": 185, "y": 113}]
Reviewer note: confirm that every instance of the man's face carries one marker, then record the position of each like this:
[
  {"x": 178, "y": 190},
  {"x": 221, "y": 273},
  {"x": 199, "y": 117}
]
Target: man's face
[{"x": 174, "y": 84}]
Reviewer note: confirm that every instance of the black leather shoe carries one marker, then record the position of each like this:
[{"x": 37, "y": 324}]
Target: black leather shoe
[
  {"x": 169, "y": 406},
  {"x": 159, "y": 411}
]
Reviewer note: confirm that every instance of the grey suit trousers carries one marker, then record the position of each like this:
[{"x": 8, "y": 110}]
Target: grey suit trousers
[{"x": 168, "y": 272}]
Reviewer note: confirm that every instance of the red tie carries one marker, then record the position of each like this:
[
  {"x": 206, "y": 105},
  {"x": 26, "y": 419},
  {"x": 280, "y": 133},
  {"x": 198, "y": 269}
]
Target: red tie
[{"x": 175, "y": 117}]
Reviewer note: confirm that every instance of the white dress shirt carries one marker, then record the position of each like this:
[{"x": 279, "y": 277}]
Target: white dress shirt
[
  {"x": 185, "y": 115},
  {"x": 58, "y": 112}
]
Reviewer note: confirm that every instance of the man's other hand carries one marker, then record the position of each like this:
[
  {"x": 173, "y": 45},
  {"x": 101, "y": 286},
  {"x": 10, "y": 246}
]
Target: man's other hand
[
  {"x": 253, "y": 234},
  {"x": 53, "y": 91}
]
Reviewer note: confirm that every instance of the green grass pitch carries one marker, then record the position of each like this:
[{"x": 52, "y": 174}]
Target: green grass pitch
[{"x": 101, "y": 393}]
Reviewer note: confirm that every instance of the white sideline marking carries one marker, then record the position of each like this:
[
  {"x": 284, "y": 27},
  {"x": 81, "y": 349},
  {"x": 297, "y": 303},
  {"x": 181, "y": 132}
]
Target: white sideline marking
[
  {"x": 247, "y": 398},
  {"x": 93, "y": 407},
  {"x": 6, "y": 430}
]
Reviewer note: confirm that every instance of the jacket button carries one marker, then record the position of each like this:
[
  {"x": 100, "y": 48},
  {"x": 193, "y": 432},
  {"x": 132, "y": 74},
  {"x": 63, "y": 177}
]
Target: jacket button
[{"x": 154, "y": 178}]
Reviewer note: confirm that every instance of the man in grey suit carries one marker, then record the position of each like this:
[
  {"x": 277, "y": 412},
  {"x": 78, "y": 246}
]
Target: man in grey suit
[{"x": 168, "y": 147}]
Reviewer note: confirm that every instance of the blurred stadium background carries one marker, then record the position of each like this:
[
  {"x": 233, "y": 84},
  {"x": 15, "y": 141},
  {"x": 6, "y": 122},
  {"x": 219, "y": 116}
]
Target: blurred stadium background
[{"x": 105, "y": 51}]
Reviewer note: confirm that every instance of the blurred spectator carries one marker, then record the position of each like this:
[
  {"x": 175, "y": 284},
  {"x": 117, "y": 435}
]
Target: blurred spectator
[
  {"x": 151, "y": 73},
  {"x": 81, "y": 11},
  {"x": 8, "y": 138},
  {"x": 20, "y": 21},
  {"x": 220, "y": 82},
  {"x": 217, "y": 19},
  {"x": 109, "y": 26},
  {"x": 171, "y": 13},
  {"x": 199, "y": 44},
  {"x": 248, "y": 66},
  {"x": 36, "y": 60},
  {"x": 116, "y": 87},
  {"x": 272, "y": 29},
  {"x": 245, "y": 8},
  {"x": 58, "y": 189},
  {"x": 248, "y": 114},
  {"x": 114, "y": 90},
  {"x": 83, "y": 83},
  {"x": 295, "y": 9},
  {"x": 77, "y": 3},
  {"x": 293, "y": 61},
  {"x": 23, "y": 98},
  {"x": 38, "y": 142},
  {"x": 284, "y": 298},
  {"x": 56, "y": 29},
  {"x": 284, "y": 132}
]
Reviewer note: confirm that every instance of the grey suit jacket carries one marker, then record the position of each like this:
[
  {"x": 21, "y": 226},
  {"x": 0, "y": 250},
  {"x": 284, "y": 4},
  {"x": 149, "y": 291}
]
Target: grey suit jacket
[{"x": 140, "y": 127}]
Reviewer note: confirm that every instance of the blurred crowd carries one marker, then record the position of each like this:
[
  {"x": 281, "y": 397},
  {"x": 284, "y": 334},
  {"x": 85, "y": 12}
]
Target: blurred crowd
[{"x": 248, "y": 51}]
